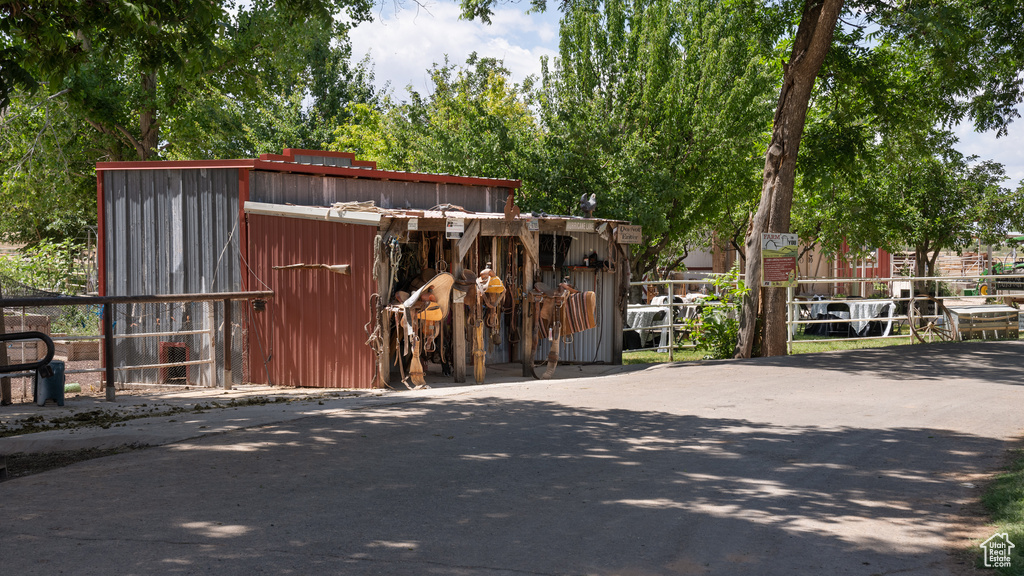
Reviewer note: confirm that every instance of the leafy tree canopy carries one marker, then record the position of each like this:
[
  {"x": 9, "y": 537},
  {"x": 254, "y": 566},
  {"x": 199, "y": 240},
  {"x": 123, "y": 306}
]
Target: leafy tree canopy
[{"x": 660, "y": 109}]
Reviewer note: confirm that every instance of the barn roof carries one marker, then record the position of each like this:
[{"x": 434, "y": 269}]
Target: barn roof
[{"x": 316, "y": 162}]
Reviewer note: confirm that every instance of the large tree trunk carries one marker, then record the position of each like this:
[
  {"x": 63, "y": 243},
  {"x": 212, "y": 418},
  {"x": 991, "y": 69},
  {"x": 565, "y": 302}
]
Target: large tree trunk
[{"x": 813, "y": 39}]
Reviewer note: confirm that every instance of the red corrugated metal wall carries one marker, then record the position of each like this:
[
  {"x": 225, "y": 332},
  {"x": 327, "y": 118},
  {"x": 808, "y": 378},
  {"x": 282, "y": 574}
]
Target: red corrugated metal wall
[{"x": 312, "y": 330}]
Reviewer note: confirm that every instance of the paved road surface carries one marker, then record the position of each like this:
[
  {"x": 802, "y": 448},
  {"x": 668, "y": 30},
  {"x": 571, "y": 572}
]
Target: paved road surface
[{"x": 844, "y": 463}]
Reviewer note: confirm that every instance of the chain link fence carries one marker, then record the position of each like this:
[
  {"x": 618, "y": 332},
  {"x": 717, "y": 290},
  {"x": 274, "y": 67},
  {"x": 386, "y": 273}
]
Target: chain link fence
[{"x": 156, "y": 345}]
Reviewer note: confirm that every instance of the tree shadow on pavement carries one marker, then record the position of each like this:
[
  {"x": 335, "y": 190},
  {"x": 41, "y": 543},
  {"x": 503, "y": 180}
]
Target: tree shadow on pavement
[
  {"x": 493, "y": 486},
  {"x": 999, "y": 361}
]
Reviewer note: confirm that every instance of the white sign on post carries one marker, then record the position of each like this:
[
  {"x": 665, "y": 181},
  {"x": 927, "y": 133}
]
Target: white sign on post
[
  {"x": 579, "y": 226},
  {"x": 533, "y": 225},
  {"x": 454, "y": 228},
  {"x": 414, "y": 224}
]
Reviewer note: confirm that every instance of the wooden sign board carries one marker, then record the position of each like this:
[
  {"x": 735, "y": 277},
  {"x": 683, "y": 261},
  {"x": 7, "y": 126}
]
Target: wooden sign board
[
  {"x": 778, "y": 259},
  {"x": 629, "y": 234},
  {"x": 454, "y": 228},
  {"x": 579, "y": 226}
]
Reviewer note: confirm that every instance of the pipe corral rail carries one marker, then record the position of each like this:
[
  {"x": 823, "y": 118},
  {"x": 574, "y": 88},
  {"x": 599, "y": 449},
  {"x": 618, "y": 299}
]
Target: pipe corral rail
[
  {"x": 794, "y": 303},
  {"x": 109, "y": 302}
]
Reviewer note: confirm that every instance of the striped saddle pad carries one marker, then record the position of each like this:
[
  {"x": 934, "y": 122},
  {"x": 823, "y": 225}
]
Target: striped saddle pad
[{"x": 577, "y": 314}]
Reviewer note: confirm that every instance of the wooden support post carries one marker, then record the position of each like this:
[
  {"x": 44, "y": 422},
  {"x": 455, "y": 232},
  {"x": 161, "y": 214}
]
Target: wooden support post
[
  {"x": 381, "y": 315},
  {"x": 526, "y": 340},
  {"x": 227, "y": 344},
  {"x": 621, "y": 270},
  {"x": 108, "y": 349},
  {"x": 458, "y": 323}
]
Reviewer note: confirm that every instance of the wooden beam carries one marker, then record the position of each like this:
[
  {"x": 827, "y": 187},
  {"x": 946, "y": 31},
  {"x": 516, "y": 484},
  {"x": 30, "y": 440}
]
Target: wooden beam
[
  {"x": 617, "y": 322},
  {"x": 458, "y": 323},
  {"x": 468, "y": 237},
  {"x": 526, "y": 340},
  {"x": 381, "y": 315},
  {"x": 531, "y": 247}
]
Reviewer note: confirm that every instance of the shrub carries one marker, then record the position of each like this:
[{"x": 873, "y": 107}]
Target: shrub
[{"x": 716, "y": 329}]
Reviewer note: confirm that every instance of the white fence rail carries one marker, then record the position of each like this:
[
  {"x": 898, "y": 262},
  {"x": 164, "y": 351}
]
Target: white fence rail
[{"x": 895, "y": 313}]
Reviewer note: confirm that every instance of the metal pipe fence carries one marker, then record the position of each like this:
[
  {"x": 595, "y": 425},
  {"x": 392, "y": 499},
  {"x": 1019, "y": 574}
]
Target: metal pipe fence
[
  {"x": 661, "y": 314},
  {"x": 151, "y": 340},
  {"x": 672, "y": 309}
]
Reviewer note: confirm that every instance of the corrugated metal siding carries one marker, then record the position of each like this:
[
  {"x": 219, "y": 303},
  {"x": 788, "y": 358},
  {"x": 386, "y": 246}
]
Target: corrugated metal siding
[
  {"x": 170, "y": 232},
  {"x": 322, "y": 160},
  {"x": 591, "y": 345},
  {"x": 307, "y": 190},
  {"x": 312, "y": 330}
]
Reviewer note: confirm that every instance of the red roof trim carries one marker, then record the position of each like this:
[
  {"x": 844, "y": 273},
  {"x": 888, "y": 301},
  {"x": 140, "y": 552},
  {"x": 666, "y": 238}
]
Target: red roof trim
[
  {"x": 174, "y": 164},
  {"x": 276, "y": 157},
  {"x": 286, "y": 163}
]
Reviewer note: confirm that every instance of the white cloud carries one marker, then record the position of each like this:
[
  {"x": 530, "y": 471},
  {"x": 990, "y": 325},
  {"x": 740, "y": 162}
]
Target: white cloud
[
  {"x": 405, "y": 41},
  {"x": 1008, "y": 150}
]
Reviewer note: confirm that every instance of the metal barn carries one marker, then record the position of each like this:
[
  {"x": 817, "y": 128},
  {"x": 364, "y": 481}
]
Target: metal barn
[{"x": 222, "y": 226}]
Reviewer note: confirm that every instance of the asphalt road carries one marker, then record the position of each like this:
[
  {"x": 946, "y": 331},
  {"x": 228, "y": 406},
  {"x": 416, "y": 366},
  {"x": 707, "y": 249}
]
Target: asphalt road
[{"x": 861, "y": 462}]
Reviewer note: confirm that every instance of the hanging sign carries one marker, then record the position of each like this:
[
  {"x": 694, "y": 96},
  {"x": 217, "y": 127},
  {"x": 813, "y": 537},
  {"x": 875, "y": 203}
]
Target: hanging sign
[
  {"x": 454, "y": 228},
  {"x": 579, "y": 226},
  {"x": 413, "y": 224},
  {"x": 629, "y": 234},
  {"x": 778, "y": 259}
]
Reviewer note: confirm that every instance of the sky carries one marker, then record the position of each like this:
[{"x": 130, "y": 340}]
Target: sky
[{"x": 405, "y": 40}]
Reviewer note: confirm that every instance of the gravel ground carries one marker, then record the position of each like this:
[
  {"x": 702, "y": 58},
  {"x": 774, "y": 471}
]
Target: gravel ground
[{"x": 90, "y": 383}]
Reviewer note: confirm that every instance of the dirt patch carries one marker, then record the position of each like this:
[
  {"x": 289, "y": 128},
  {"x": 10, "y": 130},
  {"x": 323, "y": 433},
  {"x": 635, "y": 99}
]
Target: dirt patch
[
  {"x": 18, "y": 465},
  {"x": 105, "y": 418}
]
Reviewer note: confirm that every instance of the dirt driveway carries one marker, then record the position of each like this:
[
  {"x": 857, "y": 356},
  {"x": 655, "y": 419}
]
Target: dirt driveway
[{"x": 863, "y": 462}]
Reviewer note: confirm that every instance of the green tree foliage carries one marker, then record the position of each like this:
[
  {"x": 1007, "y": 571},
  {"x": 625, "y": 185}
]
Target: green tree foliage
[
  {"x": 47, "y": 182},
  {"x": 475, "y": 121},
  {"x": 716, "y": 329},
  {"x": 256, "y": 78},
  {"x": 660, "y": 109},
  {"x": 965, "y": 65},
  {"x": 130, "y": 68},
  {"x": 937, "y": 199},
  {"x": 876, "y": 168},
  {"x": 45, "y": 265}
]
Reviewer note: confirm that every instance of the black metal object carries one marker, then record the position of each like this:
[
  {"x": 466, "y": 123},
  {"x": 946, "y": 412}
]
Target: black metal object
[{"x": 40, "y": 365}]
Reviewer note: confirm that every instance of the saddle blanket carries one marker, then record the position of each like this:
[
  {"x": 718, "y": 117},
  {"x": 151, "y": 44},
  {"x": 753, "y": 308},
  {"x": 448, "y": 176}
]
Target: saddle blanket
[{"x": 577, "y": 314}]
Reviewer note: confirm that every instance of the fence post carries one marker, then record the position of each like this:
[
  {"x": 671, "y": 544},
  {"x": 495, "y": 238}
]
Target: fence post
[
  {"x": 6, "y": 397},
  {"x": 211, "y": 320},
  {"x": 671, "y": 320},
  {"x": 108, "y": 349},
  {"x": 790, "y": 326},
  {"x": 227, "y": 344}
]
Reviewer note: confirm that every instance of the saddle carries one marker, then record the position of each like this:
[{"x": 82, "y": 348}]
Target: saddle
[
  {"x": 418, "y": 317},
  {"x": 559, "y": 312},
  {"x": 485, "y": 293}
]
